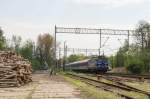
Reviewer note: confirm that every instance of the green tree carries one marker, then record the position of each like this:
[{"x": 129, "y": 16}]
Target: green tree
[
  {"x": 74, "y": 57},
  {"x": 111, "y": 60},
  {"x": 119, "y": 59},
  {"x": 16, "y": 41},
  {"x": 135, "y": 65},
  {"x": 143, "y": 34},
  {"x": 143, "y": 39},
  {"x": 121, "y": 56},
  {"x": 28, "y": 52},
  {"x": 2, "y": 40},
  {"x": 45, "y": 50}
]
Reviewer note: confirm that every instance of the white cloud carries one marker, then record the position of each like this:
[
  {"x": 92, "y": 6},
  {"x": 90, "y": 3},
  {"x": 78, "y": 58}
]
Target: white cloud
[{"x": 109, "y": 3}]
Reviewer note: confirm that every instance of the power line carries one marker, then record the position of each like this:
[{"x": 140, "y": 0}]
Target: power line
[
  {"x": 94, "y": 31},
  {"x": 100, "y": 31}
]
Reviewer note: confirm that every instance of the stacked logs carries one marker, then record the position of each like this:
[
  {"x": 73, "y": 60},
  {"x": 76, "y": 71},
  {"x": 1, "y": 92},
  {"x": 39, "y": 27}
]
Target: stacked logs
[{"x": 14, "y": 70}]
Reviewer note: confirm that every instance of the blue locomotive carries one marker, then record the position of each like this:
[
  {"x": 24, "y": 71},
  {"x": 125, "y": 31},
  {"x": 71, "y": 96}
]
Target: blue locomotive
[{"x": 97, "y": 65}]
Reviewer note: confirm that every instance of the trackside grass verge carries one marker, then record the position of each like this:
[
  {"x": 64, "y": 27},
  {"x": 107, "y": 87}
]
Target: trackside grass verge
[
  {"x": 136, "y": 95},
  {"x": 90, "y": 92}
]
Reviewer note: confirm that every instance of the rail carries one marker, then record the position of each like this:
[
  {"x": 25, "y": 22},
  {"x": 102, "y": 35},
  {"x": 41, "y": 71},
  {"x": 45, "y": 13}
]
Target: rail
[{"x": 104, "y": 86}]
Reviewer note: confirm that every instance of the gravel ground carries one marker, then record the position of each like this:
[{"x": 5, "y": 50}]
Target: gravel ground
[{"x": 42, "y": 87}]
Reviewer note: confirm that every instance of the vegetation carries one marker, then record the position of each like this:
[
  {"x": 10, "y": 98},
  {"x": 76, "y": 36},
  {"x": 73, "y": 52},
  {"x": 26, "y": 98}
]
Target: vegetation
[
  {"x": 16, "y": 41},
  {"x": 2, "y": 40},
  {"x": 135, "y": 57},
  {"x": 90, "y": 92},
  {"x": 40, "y": 54},
  {"x": 74, "y": 57},
  {"x": 44, "y": 50}
]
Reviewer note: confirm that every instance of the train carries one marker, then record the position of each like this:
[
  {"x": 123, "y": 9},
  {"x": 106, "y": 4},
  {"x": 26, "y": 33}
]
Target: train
[{"x": 96, "y": 65}]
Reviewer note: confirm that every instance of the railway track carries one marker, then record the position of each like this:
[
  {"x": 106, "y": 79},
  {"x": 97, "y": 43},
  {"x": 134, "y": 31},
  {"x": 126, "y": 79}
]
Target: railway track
[
  {"x": 119, "y": 78},
  {"x": 140, "y": 77},
  {"x": 122, "y": 84},
  {"x": 124, "y": 77},
  {"x": 109, "y": 87}
]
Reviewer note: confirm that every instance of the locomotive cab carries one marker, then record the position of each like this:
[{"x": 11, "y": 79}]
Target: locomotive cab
[{"x": 102, "y": 64}]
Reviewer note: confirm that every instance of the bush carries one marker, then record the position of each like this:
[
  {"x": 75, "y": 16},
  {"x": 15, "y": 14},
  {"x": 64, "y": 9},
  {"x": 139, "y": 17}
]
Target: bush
[
  {"x": 135, "y": 68},
  {"x": 135, "y": 65},
  {"x": 35, "y": 64}
]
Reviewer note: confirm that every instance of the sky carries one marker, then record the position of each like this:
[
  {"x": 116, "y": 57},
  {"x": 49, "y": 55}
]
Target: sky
[{"x": 29, "y": 18}]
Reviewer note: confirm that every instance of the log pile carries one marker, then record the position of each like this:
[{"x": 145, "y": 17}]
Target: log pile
[{"x": 14, "y": 70}]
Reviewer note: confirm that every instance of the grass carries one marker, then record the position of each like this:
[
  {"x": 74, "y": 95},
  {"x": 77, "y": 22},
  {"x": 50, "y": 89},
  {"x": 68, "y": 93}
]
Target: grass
[
  {"x": 90, "y": 92},
  {"x": 101, "y": 94},
  {"x": 134, "y": 94},
  {"x": 30, "y": 94},
  {"x": 140, "y": 85}
]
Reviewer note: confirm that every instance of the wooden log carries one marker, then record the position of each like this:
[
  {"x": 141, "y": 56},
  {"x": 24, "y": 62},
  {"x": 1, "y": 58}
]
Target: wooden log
[{"x": 14, "y": 69}]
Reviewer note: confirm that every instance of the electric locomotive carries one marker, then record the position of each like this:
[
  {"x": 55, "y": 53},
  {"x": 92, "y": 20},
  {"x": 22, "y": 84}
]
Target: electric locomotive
[
  {"x": 102, "y": 64},
  {"x": 94, "y": 64}
]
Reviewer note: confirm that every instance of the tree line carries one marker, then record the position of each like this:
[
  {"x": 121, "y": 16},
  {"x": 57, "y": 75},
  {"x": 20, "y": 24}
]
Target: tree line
[
  {"x": 40, "y": 53},
  {"x": 135, "y": 57}
]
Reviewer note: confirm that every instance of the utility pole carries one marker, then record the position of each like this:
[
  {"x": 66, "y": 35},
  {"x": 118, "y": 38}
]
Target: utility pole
[
  {"x": 64, "y": 59},
  {"x": 112, "y": 61},
  {"x": 142, "y": 40},
  {"x": 55, "y": 49},
  {"x": 59, "y": 57},
  {"x": 73, "y": 51},
  {"x": 59, "y": 53},
  {"x": 86, "y": 52},
  {"x": 128, "y": 46},
  {"x": 66, "y": 54},
  {"x": 128, "y": 39},
  {"x": 100, "y": 42}
]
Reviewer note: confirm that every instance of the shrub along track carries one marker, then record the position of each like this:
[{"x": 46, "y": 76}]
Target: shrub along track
[{"x": 108, "y": 86}]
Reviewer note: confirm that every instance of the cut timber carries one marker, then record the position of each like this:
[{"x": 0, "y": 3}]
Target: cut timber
[{"x": 14, "y": 70}]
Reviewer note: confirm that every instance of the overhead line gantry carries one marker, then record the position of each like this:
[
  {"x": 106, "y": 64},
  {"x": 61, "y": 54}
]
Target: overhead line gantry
[{"x": 100, "y": 32}]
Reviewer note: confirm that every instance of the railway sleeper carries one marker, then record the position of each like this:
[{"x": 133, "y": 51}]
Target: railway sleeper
[
  {"x": 109, "y": 90},
  {"x": 127, "y": 86},
  {"x": 104, "y": 88}
]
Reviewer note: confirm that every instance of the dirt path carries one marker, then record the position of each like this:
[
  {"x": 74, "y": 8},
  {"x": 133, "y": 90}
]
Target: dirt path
[{"x": 42, "y": 87}]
